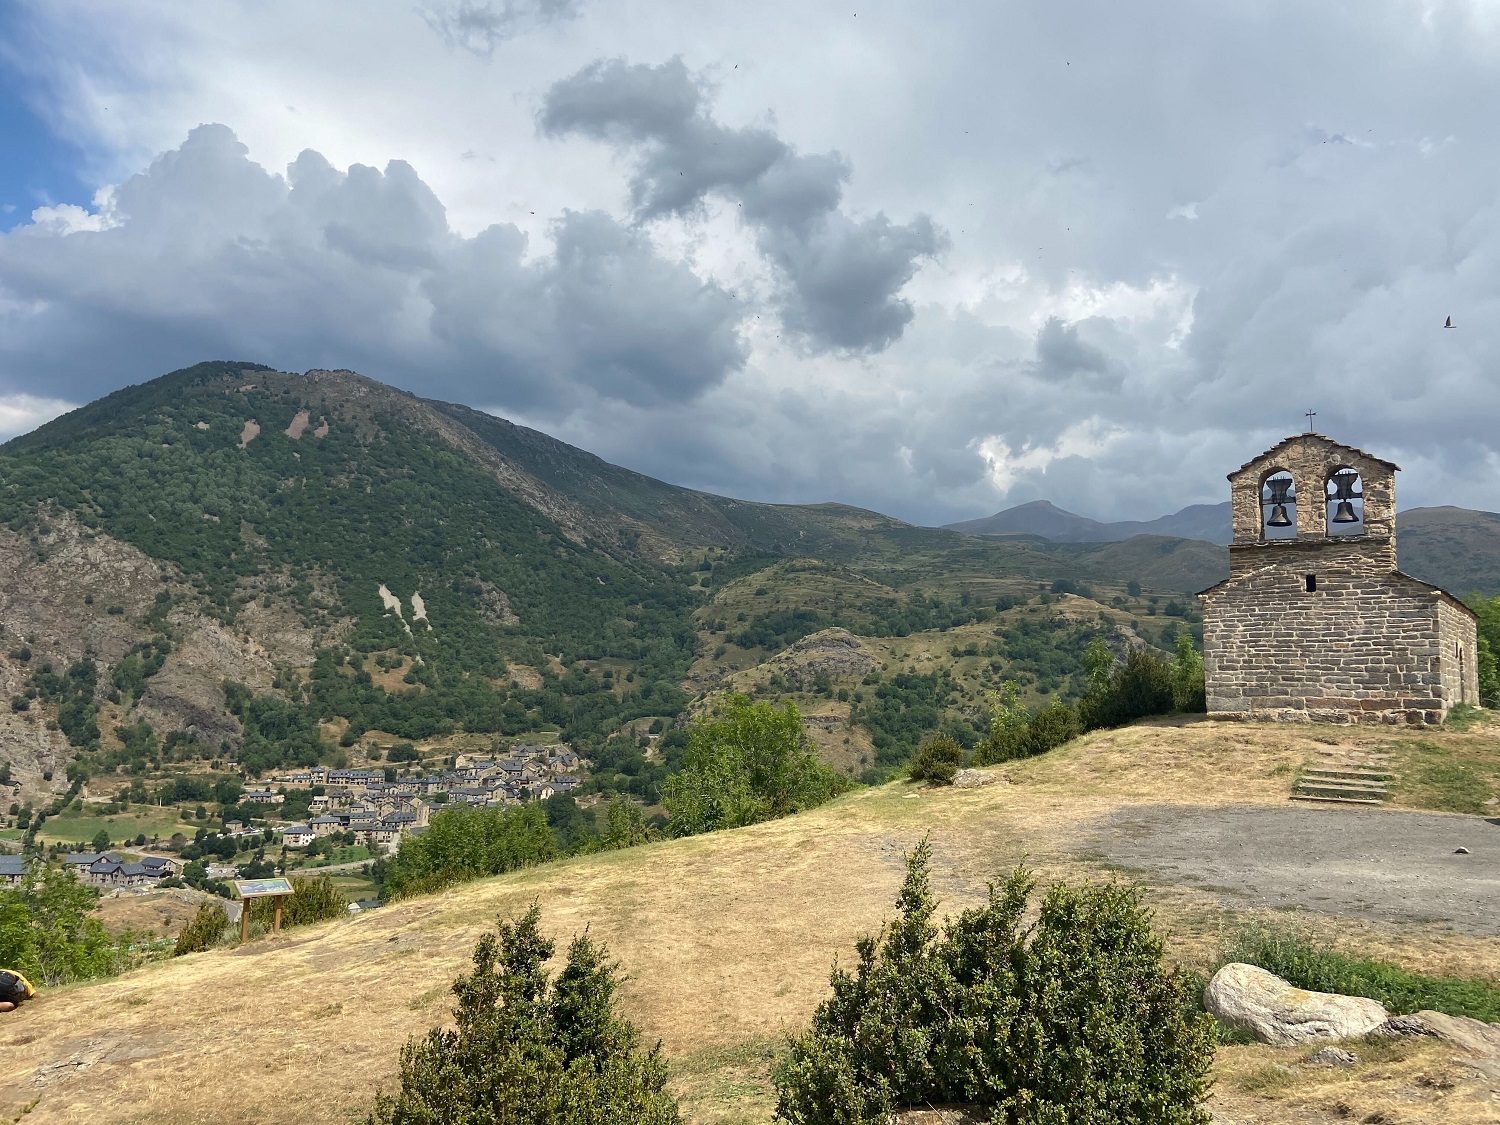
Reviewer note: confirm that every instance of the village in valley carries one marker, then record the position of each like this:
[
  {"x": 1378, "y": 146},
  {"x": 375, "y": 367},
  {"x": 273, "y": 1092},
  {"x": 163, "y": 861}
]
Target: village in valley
[{"x": 345, "y": 818}]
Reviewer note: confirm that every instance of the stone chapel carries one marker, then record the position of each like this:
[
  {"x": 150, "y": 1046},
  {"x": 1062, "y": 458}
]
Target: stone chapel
[{"x": 1315, "y": 623}]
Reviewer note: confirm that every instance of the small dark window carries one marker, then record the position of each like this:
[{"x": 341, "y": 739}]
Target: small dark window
[{"x": 1312, "y": 583}]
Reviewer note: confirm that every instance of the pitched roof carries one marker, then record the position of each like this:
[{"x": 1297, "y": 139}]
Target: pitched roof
[
  {"x": 1284, "y": 442},
  {"x": 13, "y": 864}
]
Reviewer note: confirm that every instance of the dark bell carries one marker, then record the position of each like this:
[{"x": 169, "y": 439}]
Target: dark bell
[
  {"x": 1345, "y": 513},
  {"x": 1279, "y": 517}
]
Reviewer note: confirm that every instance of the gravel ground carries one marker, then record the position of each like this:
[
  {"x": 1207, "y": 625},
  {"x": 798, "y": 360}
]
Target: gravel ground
[{"x": 1375, "y": 863}]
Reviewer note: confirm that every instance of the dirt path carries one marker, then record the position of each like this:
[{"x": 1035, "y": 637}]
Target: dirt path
[{"x": 1379, "y": 864}]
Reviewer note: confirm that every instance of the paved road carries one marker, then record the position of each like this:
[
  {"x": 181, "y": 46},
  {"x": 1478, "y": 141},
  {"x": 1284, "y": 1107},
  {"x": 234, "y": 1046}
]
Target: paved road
[{"x": 1375, "y": 863}]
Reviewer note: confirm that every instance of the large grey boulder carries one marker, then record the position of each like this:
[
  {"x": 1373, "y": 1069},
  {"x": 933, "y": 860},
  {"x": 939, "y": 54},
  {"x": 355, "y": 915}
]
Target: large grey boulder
[{"x": 1253, "y": 1000}]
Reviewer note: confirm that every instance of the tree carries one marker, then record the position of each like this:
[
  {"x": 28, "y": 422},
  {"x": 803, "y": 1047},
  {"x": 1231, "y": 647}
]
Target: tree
[
  {"x": 1069, "y": 1019},
  {"x": 1138, "y": 686},
  {"x": 1488, "y": 612},
  {"x": 1189, "y": 690},
  {"x": 47, "y": 931},
  {"x": 203, "y": 931},
  {"x": 624, "y": 825},
  {"x": 529, "y": 1051},
  {"x": 937, "y": 760},
  {"x": 1009, "y": 721},
  {"x": 464, "y": 843},
  {"x": 749, "y": 763},
  {"x": 100, "y": 842},
  {"x": 1489, "y": 674}
]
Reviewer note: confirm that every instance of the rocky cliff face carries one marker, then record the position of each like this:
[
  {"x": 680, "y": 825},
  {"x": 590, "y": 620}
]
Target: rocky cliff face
[{"x": 68, "y": 592}]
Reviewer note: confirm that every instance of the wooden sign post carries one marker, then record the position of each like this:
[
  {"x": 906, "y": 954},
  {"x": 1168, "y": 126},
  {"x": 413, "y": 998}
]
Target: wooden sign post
[{"x": 260, "y": 888}]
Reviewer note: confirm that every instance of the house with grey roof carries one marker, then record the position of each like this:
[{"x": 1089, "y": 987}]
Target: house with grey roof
[{"x": 13, "y": 869}]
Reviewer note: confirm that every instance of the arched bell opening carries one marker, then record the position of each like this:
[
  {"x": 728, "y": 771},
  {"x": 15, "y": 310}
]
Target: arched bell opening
[
  {"x": 1278, "y": 505},
  {"x": 1344, "y": 499}
]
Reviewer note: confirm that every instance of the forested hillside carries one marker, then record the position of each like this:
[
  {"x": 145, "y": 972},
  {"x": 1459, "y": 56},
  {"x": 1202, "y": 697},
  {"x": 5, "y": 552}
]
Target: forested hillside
[{"x": 235, "y": 564}]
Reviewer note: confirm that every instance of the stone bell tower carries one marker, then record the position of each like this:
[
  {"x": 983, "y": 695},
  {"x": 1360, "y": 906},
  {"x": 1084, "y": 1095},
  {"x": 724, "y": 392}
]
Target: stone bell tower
[{"x": 1315, "y": 622}]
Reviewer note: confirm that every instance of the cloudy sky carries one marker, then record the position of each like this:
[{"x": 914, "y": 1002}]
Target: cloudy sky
[{"x": 930, "y": 259}]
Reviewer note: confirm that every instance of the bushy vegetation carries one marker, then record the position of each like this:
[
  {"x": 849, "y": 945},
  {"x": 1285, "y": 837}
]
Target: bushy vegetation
[
  {"x": 937, "y": 760},
  {"x": 47, "y": 933},
  {"x": 1119, "y": 691},
  {"x": 204, "y": 930},
  {"x": 749, "y": 763},
  {"x": 527, "y": 1050},
  {"x": 468, "y": 843},
  {"x": 1071, "y": 1019},
  {"x": 1016, "y": 732},
  {"x": 311, "y": 900},
  {"x": 901, "y": 711},
  {"x": 1488, "y": 612},
  {"x": 1297, "y": 958}
]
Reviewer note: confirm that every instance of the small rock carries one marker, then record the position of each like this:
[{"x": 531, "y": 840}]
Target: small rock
[
  {"x": 973, "y": 779},
  {"x": 1248, "y": 997},
  {"x": 1460, "y": 851},
  {"x": 1403, "y": 1025},
  {"x": 1332, "y": 1056},
  {"x": 1474, "y": 1036}
]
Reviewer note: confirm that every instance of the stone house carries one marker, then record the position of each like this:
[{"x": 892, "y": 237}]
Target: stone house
[
  {"x": 1315, "y": 622},
  {"x": 13, "y": 869}
]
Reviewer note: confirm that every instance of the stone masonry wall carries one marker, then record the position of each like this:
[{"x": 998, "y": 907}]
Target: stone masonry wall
[
  {"x": 1458, "y": 648},
  {"x": 1362, "y": 647},
  {"x": 1311, "y": 459}
]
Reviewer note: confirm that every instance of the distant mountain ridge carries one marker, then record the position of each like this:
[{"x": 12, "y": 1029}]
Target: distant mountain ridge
[
  {"x": 1455, "y": 548},
  {"x": 1208, "y": 522}
]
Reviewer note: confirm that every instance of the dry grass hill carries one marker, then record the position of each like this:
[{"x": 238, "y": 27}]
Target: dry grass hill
[{"x": 728, "y": 938}]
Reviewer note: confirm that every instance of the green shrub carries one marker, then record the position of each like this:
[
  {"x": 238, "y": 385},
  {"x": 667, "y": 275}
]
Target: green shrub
[
  {"x": 463, "y": 843},
  {"x": 203, "y": 932},
  {"x": 529, "y": 1051},
  {"x": 624, "y": 825},
  {"x": 1052, "y": 726},
  {"x": 1140, "y": 685},
  {"x": 1072, "y": 1019},
  {"x": 749, "y": 763},
  {"x": 48, "y": 932},
  {"x": 938, "y": 759},
  {"x": 311, "y": 900},
  {"x": 1296, "y": 958},
  {"x": 1189, "y": 687}
]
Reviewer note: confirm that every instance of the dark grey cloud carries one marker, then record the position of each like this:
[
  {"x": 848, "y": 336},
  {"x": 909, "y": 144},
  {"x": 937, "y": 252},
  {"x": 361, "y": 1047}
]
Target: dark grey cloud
[
  {"x": 481, "y": 27},
  {"x": 1174, "y": 227},
  {"x": 841, "y": 277},
  {"x": 208, "y": 254}
]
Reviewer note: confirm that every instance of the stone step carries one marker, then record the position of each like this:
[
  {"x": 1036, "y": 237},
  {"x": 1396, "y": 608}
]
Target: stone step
[
  {"x": 1334, "y": 800},
  {"x": 1353, "y": 782},
  {"x": 1351, "y": 773},
  {"x": 1334, "y": 789}
]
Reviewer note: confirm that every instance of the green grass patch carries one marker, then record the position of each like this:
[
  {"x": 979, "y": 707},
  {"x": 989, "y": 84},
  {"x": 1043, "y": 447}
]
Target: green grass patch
[
  {"x": 148, "y": 820},
  {"x": 727, "y": 1085},
  {"x": 1462, "y": 776},
  {"x": 1297, "y": 958}
]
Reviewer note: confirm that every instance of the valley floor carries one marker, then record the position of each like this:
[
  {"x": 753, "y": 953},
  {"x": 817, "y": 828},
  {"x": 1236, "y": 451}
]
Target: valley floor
[{"x": 728, "y": 940}]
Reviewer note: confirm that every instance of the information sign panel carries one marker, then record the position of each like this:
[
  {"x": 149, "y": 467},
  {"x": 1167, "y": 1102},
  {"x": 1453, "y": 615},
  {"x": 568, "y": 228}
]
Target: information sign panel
[{"x": 261, "y": 888}]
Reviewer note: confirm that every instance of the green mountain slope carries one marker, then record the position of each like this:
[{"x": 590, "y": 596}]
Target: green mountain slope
[
  {"x": 362, "y": 560},
  {"x": 1455, "y": 548}
]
